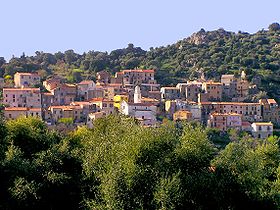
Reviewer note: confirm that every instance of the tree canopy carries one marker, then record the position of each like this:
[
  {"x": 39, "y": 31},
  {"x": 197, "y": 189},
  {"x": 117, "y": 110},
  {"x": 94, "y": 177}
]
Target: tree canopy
[{"x": 121, "y": 165}]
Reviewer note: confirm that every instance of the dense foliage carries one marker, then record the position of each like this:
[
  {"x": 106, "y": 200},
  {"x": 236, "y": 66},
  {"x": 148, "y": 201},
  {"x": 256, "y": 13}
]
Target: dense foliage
[
  {"x": 121, "y": 165},
  {"x": 214, "y": 53}
]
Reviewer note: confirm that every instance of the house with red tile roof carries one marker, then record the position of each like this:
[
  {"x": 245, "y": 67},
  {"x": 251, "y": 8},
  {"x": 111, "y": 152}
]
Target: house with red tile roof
[{"x": 11, "y": 113}]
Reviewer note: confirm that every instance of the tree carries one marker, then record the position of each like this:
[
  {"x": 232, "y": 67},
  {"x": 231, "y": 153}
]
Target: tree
[
  {"x": 247, "y": 170},
  {"x": 30, "y": 134},
  {"x": 2, "y": 61},
  {"x": 274, "y": 27}
]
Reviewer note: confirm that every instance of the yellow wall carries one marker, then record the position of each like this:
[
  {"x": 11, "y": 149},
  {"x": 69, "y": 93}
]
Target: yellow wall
[{"x": 118, "y": 99}]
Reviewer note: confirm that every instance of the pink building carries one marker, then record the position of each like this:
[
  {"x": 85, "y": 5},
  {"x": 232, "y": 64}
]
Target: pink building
[
  {"x": 22, "y": 97},
  {"x": 64, "y": 94},
  {"x": 250, "y": 111},
  {"x": 26, "y": 79},
  {"x": 224, "y": 121}
]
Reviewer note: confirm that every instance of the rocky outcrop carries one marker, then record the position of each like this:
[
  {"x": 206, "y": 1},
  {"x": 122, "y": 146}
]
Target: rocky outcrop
[{"x": 203, "y": 37}]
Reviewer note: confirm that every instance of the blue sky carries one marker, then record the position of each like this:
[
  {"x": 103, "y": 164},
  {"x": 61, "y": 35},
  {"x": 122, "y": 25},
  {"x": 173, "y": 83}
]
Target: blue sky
[{"x": 105, "y": 25}]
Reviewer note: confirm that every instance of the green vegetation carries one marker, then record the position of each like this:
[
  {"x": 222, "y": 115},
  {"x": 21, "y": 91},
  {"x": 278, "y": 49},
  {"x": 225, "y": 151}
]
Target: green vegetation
[
  {"x": 214, "y": 53},
  {"x": 66, "y": 121},
  {"x": 121, "y": 165}
]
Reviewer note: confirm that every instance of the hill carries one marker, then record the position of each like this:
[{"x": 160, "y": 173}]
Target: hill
[{"x": 212, "y": 52}]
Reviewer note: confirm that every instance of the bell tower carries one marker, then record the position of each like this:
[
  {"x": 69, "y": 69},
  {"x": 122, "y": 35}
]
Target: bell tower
[{"x": 137, "y": 95}]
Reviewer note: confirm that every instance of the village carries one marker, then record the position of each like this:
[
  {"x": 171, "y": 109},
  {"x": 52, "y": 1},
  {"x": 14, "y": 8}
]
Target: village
[{"x": 136, "y": 93}]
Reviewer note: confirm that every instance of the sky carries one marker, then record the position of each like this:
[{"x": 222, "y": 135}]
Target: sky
[{"x": 104, "y": 25}]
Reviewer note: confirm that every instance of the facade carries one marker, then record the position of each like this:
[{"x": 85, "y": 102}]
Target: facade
[
  {"x": 192, "y": 91},
  {"x": 170, "y": 93},
  {"x": 270, "y": 111},
  {"x": 182, "y": 115},
  {"x": 87, "y": 106},
  {"x": 242, "y": 89},
  {"x": 154, "y": 94},
  {"x": 182, "y": 89},
  {"x": 250, "y": 111},
  {"x": 229, "y": 82},
  {"x": 262, "y": 130},
  {"x": 22, "y": 97},
  {"x": 98, "y": 92},
  {"x": 103, "y": 77},
  {"x": 11, "y": 113},
  {"x": 149, "y": 88},
  {"x": 144, "y": 112},
  {"x": 84, "y": 88},
  {"x": 111, "y": 90},
  {"x": 64, "y": 94},
  {"x": 52, "y": 83},
  {"x": 74, "y": 112},
  {"x": 137, "y": 77},
  {"x": 213, "y": 90},
  {"x": 192, "y": 107},
  {"x": 228, "y": 79},
  {"x": 225, "y": 121},
  {"x": 103, "y": 104},
  {"x": 47, "y": 99},
  {"x": 26, "y": 79}
]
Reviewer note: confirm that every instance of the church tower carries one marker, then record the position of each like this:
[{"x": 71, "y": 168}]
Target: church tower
[{"x": 137, "y": 95}]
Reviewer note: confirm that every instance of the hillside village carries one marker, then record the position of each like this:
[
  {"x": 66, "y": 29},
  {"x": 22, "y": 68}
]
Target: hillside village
[{"x": 136, "y": 93}]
